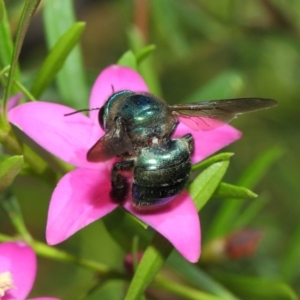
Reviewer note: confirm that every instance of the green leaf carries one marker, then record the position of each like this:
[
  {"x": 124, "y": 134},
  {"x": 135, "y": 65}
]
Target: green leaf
[
  {"x": 2, "y": 10},
  {"x": 203, "y": 187},
  {"x": 290, "y": 261},
  {"x": 144, "y": 60},
  {"x": 153, "y": 259},
  {"x": 134, "y": 251},
  {"x": 182, "y": 290},
  {"x": 197, "y": 277},
  {"x": 226, "y": 85},
  {"x": 201, "y": 19},
  {"x": 9, "y": 169},
  {"x": 250, "y": 212},
  {"x": 128, "y": 59},
  {"x": 230, "y": 209},
  {"x": 260, "y": 166},
  {"x": 132, "y": 60},
  {"x": 137, "y": 220},
  {"x": 226, "y": 190},
  {"x": 56, "y": 58},
  {"x": 29, "y": 8},
  {"x": 12, "y": 208},
  {"x": 257, "y": 288},
  {"x": 6, "y": 42},
  {"x": 211, "y": 160},
  {"x": 144, "y": 53},
  {"x": 24, "y": 90},
  {"x": 123, "y": 229},
  {"x": 58, "y": 18},
  {"x": 169, "y": 28}
]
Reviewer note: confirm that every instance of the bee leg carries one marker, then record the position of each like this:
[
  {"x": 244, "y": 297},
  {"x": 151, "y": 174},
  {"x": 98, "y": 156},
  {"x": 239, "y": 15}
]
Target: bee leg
[
  {"x": 173, "y": 128},
  {"x": 191, "y": 142},
  {"x": 119, "y": 182}
]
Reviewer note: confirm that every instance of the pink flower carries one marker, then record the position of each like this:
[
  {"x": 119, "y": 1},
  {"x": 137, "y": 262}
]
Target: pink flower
[
  {"x": 17, "y": 271},
  {"x": 82, "y": 195}
]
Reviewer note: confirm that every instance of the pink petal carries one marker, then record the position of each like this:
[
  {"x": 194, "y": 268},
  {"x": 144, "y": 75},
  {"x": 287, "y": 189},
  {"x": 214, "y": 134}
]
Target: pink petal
[
  {"x": 20, "y": 260},
  {"x": 67, "y": 137},
  {"x": 113, "y": 79},
  {"x": 178, "y": 222},
  {"x": 80, "y": 198},
  {"x": 209, "y": 142}
]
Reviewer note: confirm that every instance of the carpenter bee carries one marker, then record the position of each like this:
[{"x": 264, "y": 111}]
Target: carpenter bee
[{"x": 138, "y": 129}]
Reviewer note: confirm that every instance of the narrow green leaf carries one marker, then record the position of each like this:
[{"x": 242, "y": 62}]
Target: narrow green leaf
[
  {"x": 2, "y": 10},
  {"x": 211, "y": 160},
  {"x": 289, "y": 177},
  {"x": 58, "y": 18},
  {"x": 128, "y": 59},
  {"x": 5, "y": 238},
  {"x": 131, "y": 60},
  {"x": 226, "y": 190},
  {"x": 203, "y": 187},
  {"x": 122, "y": 229},
  {"x": 24, "y": 90},
  {"x": 144, "y": 53},
  {"x": 145, "y": 61},
  {"x": 153, "y": 259},
  {"x": 290, "y": 262},
  {"x": 258, "y": 169},
  {"x": 12, "y": 208},
  {"x": 202, "y": 20},
  {"x": 29, "y": 8},
  {"x": 6, "y": 42},
  {"x": 134, "y": 251},
  {"x": 137, "y": 220},
  {"x": 9, "y": 169},
  {"x": 257, "y": 288},
  {"x": 56, "y": 58},
  {"x": 250, "y": 212},
  {"x": 197, "y": 277},
  {"x": 182, "y": 290},
  {"x": 4, "y": 71},
  {"x": 230, "y": 208},
  {"x": 169, "y": 28},
  {"x": 226, "y": 85}
]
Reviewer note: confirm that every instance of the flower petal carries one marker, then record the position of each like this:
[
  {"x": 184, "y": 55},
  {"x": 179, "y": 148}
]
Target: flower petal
[
  {"x": 209, "y": 142},
  {"x": 20, "y": 260},
  {"x": 80, "y": 198},
  {"x": 67, "y": 137},
  {"x": 113, "y": 79},
  {"x": 178, "y": 222}
]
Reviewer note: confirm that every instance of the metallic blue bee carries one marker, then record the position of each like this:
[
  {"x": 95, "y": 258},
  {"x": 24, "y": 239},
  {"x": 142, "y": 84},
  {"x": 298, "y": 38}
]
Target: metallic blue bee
[{"x": 138, "y": 129}]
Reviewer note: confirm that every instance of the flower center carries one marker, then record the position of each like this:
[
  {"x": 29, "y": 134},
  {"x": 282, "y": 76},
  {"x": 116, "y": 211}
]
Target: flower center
[{"x": 6, "y": 282}]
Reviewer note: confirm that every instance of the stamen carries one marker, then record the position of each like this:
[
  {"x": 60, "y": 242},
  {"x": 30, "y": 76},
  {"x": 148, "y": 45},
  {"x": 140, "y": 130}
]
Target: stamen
[{"x": 6, "y": 282}]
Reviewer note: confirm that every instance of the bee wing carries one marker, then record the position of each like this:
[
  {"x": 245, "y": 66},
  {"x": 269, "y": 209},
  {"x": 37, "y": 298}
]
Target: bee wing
[
  {"x": 113, "y": 143},
  {"x": 209, "y": 115}
]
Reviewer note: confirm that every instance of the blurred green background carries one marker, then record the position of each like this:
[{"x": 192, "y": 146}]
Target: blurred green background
[{"x": 229, "y": 48}]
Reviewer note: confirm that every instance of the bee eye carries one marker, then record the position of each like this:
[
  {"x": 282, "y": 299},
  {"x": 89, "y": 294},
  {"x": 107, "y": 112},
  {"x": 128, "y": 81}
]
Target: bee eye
[{"x": 101, "y": 117}]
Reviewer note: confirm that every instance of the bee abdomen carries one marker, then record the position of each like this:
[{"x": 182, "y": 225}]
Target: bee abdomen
[{"x": 161, "y": 172}]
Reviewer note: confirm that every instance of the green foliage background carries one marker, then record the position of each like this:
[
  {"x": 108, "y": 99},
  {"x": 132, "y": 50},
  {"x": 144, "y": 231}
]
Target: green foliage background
[{"x": 204, "y": 50}]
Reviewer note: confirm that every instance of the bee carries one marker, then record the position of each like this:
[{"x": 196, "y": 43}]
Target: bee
[{"x": 138, "y": 130}]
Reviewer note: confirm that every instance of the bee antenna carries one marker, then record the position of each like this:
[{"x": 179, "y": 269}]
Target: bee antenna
[
  {"x": 81, "y": 110},
  {"x": 112, "y": 89}
]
